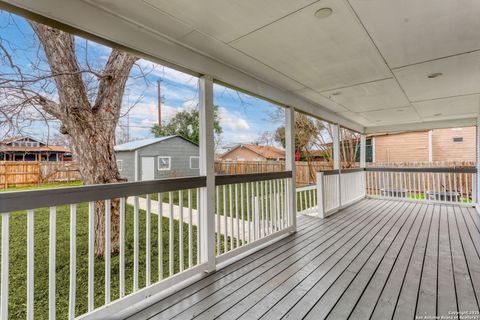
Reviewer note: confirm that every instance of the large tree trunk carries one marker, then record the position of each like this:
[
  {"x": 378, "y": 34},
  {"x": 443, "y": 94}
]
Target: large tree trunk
[
  {"x": 90, "y": 126},
  {"x": 93, "y": 148}
]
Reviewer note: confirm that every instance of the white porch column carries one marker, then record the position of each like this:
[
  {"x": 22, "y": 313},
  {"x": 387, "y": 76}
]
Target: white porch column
[
  {"x": 478, "y": 166},
  {"x": 363, "y": 151},
  {"x": 430, "y": 146},
  {"x": 290, "y": 162},
  {"x": 207, "y": 150},
  {"x": 336, "y": 146}
]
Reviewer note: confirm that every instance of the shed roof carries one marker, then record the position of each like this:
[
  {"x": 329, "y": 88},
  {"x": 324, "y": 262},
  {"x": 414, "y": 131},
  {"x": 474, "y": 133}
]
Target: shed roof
[{"x": 134, "y": 145}]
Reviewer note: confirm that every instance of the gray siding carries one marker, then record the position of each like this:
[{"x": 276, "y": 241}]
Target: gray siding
[
  {"x": 128, "y": 164},
  {"x": 177, "y": 148}
]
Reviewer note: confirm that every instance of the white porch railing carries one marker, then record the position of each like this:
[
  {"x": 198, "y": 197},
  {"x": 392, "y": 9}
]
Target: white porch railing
[
  {"x": 307, "y": 199},
  {"x": 451, "y": 185},
  {"x": 159, "y": 242},
  {"x": 339, "y": 188},
  {"x": 250, "y": 208}
]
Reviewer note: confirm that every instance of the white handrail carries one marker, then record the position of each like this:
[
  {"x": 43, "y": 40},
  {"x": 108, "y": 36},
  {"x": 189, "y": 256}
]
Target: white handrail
[
  {"x": 254, "y": 212},
  {"x": 446, "y": 185},
  {"x": 337, "y": 189}
]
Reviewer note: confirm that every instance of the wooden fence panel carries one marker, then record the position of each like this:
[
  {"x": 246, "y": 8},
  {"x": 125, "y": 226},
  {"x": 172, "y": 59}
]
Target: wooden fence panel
[
  {"x": 304, "y": 174},
  {"x": 18, "y": 173}
]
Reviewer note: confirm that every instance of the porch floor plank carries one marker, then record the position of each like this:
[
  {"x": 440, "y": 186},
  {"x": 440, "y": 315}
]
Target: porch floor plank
[{"x": 377, "y": 259}]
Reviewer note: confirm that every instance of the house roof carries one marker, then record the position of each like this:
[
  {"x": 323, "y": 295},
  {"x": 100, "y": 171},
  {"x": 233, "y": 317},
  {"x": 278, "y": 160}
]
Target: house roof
[
  {"x": 134, "y": 145},
  {"x": 267, "y": 152},
  {"x": 16, "y": 138},
  {"x": 5, "y": 148}
]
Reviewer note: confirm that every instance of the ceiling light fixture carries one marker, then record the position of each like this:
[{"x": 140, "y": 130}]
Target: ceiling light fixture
[
  {"x": 323, "y": 13},
  {"x": 434, "y": 75}
]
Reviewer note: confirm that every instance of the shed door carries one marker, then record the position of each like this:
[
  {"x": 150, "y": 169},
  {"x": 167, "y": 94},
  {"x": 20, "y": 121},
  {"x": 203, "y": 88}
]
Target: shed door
[{"x": 148, "y": 168}]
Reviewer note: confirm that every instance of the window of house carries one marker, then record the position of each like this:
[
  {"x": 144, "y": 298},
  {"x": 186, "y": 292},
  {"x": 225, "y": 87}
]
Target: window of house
[
  {"x": 194, "y": 162},
  {"x": 164, "y": 163},
  {"x": 120, "y": 165},
  {"x": 458, "y": 139}
]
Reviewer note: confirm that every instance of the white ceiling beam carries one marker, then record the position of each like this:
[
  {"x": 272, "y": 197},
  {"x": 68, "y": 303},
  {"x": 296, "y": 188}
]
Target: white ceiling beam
[
  {"x": 454, "y": 123},
  {"x": 88, "y": 21}
]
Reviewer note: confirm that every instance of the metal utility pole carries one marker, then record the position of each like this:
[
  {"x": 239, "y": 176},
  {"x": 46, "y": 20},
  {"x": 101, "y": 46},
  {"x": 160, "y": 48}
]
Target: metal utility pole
[{"x": 159, "y": 101}]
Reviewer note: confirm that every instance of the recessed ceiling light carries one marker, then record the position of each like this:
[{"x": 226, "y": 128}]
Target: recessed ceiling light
[
  {"x": 323, "y": 12},
  {"x": 434, "y": 75}
]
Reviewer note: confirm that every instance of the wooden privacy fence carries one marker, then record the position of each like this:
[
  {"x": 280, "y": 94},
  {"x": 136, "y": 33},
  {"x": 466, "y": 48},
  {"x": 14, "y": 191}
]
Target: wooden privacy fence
[
  {"x": 18, "y": 173},
  {"x": 304, "y": 174},
  {"x": 435, "y": 183}
]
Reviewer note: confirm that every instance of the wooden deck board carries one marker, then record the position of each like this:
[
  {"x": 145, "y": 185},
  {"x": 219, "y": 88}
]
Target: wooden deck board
[
  {"x": 407, "y": 301},
  {"x": 446, "y": 294},
  {"x": 286, "y": 279},
  {"x": 377, "y": 259}
]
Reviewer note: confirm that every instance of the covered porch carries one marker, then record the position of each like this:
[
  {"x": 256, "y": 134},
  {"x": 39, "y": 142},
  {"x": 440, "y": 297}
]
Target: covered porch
[
  {"x": 378, "y": 259},
  {"x": 363, "y": 243}
]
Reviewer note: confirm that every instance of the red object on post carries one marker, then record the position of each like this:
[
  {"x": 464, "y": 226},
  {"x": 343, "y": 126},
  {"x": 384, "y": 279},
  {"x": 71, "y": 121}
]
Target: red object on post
[{"x": 297, "y": 155}]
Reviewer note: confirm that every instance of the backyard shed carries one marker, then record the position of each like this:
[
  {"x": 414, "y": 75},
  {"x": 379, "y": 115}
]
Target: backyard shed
[{"x": 157, "y": 158}]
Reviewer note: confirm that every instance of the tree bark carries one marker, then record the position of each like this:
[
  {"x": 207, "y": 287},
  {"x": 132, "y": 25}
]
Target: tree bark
[{"x": 89, "y": 126}]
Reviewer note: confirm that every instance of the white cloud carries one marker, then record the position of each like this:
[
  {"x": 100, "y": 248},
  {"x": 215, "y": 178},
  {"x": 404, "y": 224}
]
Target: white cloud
[
  {"x": 232, "y": 120},
  {"x": 168, "y": 73}
]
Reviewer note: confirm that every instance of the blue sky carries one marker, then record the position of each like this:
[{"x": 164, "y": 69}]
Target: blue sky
[{"x": 243, "y": 118}]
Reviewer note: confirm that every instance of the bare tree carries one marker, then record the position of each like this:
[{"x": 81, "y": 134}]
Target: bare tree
[
  {"x": 313, "y": 139},
  {"x": 85, "y": 100}
]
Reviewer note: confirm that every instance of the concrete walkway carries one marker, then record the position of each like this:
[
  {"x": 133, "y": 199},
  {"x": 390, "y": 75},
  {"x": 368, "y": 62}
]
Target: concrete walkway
[
  {"x": 218, "y": 219},
  {"x": 186, "y": 213}
]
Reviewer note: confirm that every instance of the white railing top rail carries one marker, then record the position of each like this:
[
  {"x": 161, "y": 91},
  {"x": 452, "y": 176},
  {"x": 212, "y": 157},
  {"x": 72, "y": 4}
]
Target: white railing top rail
[
  {"x": 306, "y": 188},
  {"x": 224, "y": 179},
  {"x": 466, "y": 169},
  {"x": 425, "y": 169},
  {"x": 32, "y": 199},
  {"x": 340, "y": 171}
]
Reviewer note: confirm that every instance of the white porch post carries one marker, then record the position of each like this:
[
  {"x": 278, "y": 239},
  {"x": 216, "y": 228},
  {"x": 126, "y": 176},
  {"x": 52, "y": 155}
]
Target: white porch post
[
  {"x": 336, "y": 146},
  {"x": 477, "y": 182},
  {"x": 363, "y": 151},
  {"x": 290, "y": 162},
  {"x": 207, "y": 149},
  {"x": 430, "y": 146}
]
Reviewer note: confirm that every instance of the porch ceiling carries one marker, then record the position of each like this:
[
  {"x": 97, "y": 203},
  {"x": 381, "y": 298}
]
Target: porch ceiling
[{"x": 368, "y": 62}]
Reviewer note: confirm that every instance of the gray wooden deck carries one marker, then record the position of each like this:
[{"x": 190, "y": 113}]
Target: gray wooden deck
[{"x": 376, "y": 260}]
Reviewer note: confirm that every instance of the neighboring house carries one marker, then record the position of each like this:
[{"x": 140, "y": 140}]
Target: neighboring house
[
  {"x": 253, "y": 152},
  {"x": 454, "y": 144},
  {"x": 157, "y": 158},
  {"x": 31, "y": 149}
]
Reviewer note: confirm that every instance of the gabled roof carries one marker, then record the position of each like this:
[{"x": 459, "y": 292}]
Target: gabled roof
[
  {"x": 16, "y": 138},
  {"x": 267, "y": 152},
  {"x": 134, "y": 145}
]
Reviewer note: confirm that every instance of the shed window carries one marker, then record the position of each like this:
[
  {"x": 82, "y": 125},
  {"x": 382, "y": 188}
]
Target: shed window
[
  {"x": 164, "y": 163},
  {"x": 458, "y": 139},
  {"x": 194, "y": 162},
  {"x": 120, "y": 165}
]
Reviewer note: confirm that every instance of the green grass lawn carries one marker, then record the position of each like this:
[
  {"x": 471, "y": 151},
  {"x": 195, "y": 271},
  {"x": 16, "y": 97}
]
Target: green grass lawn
[
  {"x": 421, "y": 196},
  {"x": 302, "y": 202},
  {"x": 43, "y": 186},
  {"x": 18, "y": 229},
  {"x": 18, "y": 245}
]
